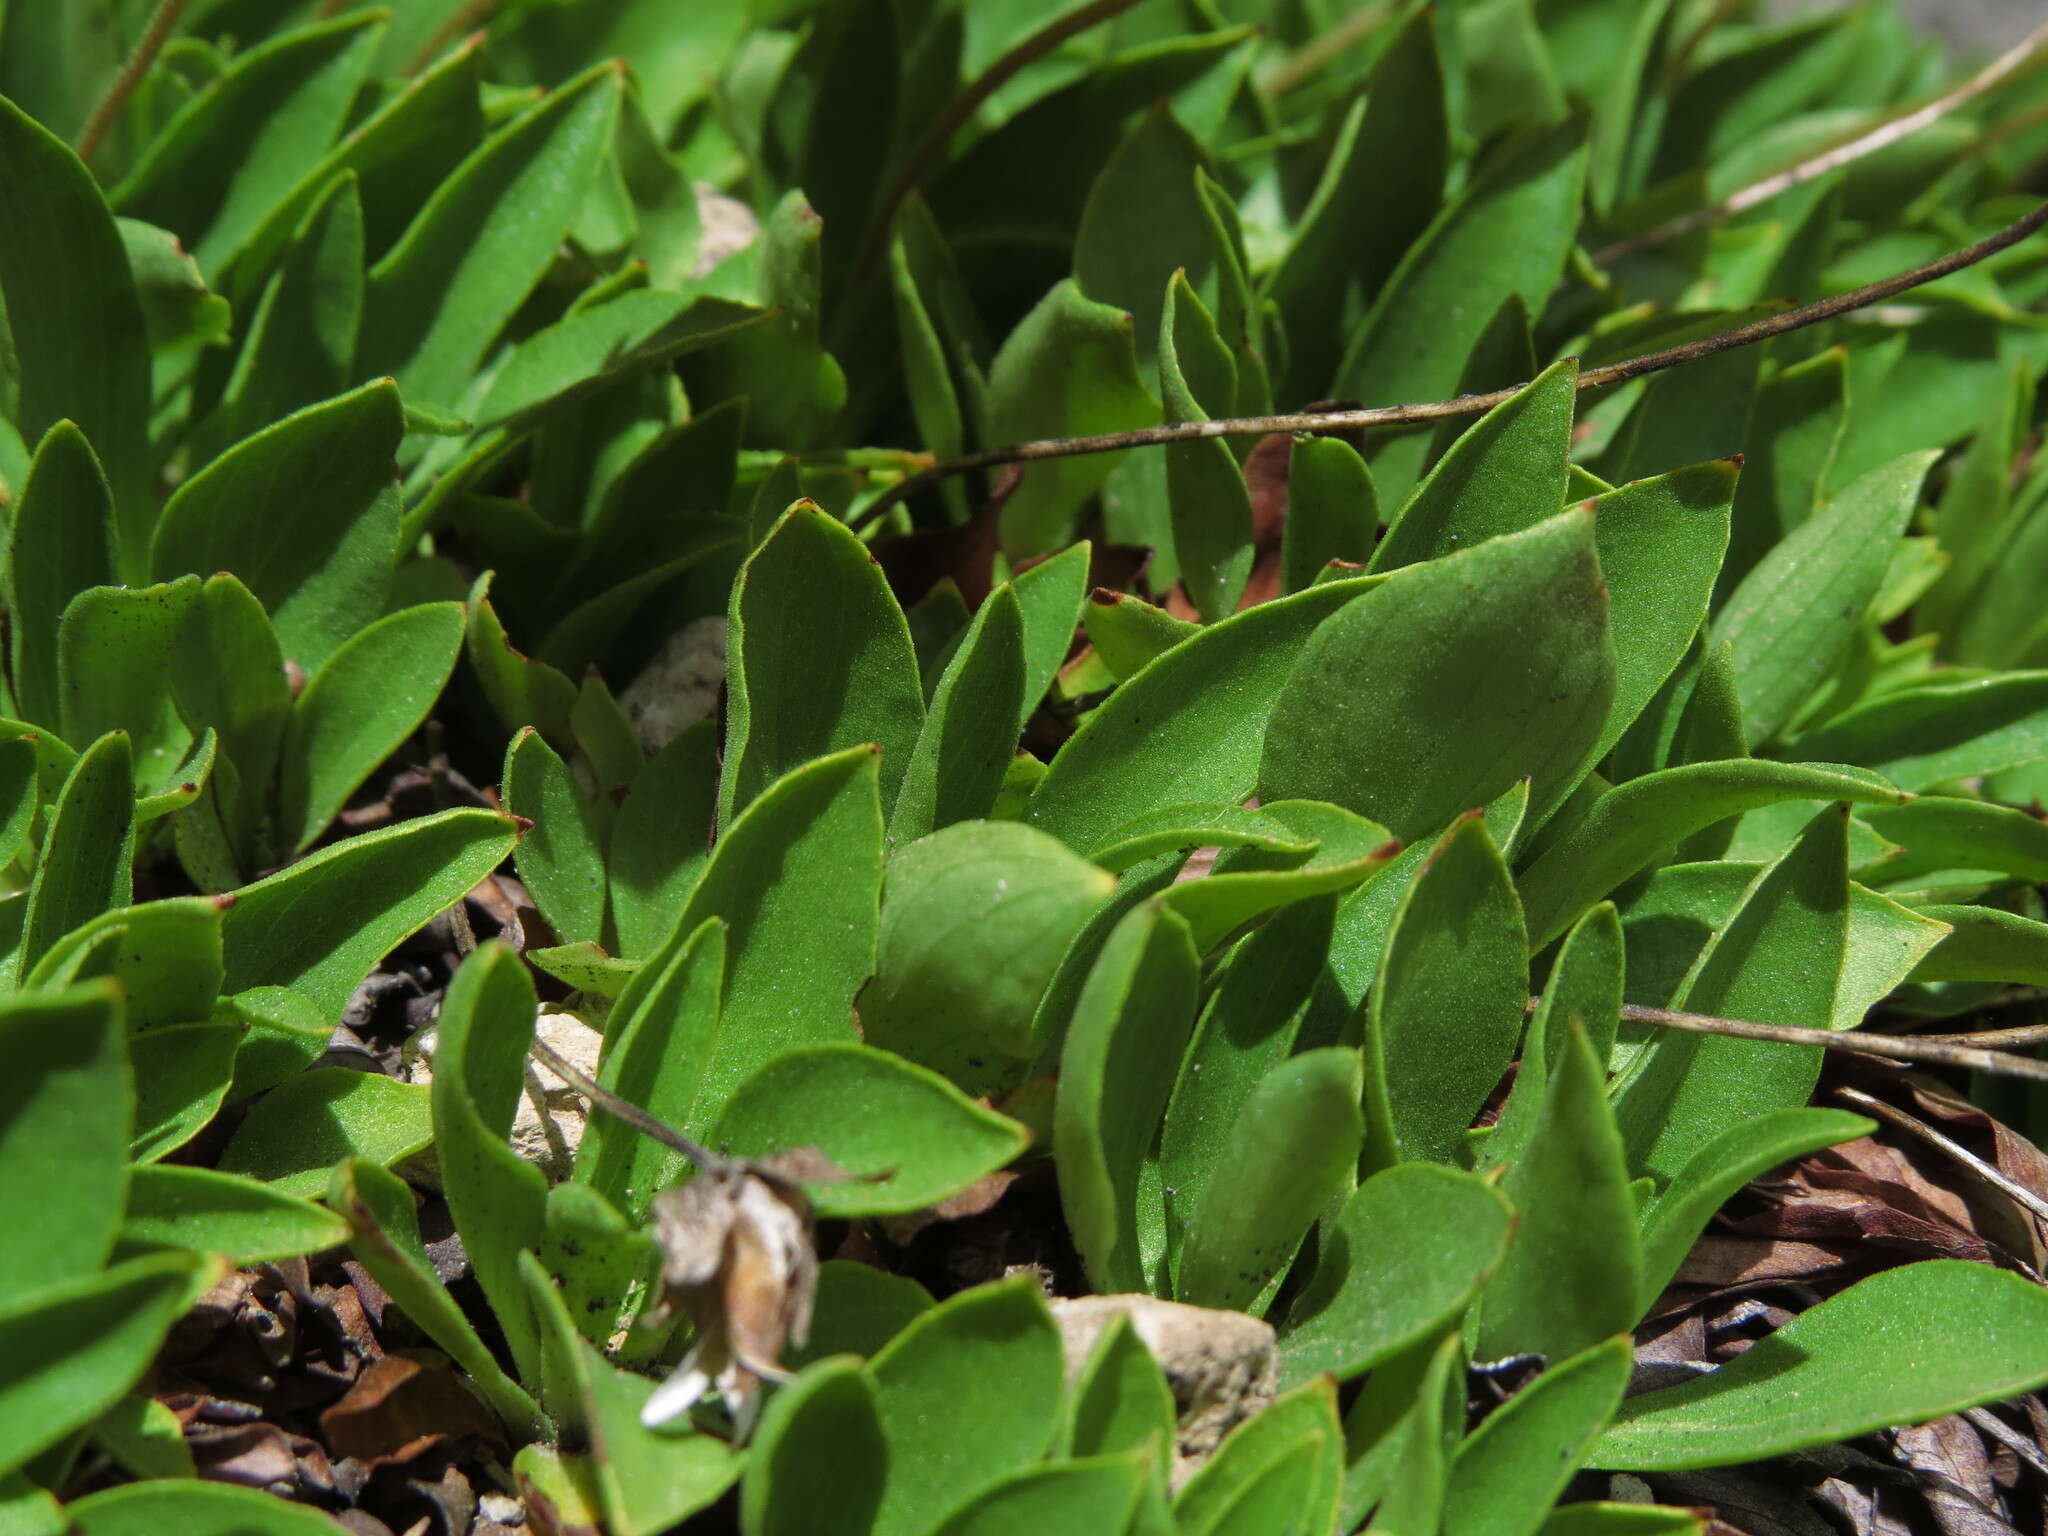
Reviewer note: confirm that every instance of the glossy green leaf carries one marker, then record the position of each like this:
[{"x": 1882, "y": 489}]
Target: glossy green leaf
[
  {"x": 1573, "y": 1271},
  {"x": 1931, "y": 732},
  {"x": 561, "y": 859},
  {"x": 154, "y": 1508},
  {"x": 1089, "y": 1496},
  {"x": 975, "y": 919},
  {"x": 113, "y": 673},
  {"x": 818, "y": 1459},
  {"x": 1293, "y": 1149},
  {"x": 1673, "y": 1221},
  {"x": 286, "y": 1033},
  {"x": 1447, "y": 1004},
  {"x": 228, "y": 677},
  {"x": 60, "y": 542},
  {"x": 1504, "y": 474},
  {"x": 282, "y": 930},
  {"x": 83, "y": 868},
  {"x": 1409, "y": 1250},
  {"x": 798, "y": 691},
  {"x": 908, "y": 1137},
  {"x": 484, "y": 239},
  {"x": 69, "y": 1109},
  {"x": 322, "y": 575},
  {"x": 1508, "y": 1472},
  {"x": 1778, "y": 960},
  {"x": 1633, "y": 825},
  {"x": 1248, "y": 882},
  {"x": 1794, "y": 614},
  {"x": 1122, "y": 1050},
  {"x": 69, "y": 1352},
  {"x": 1121, "y": 1400},
  {"x": 1510, "y": 231},
  {"x": 239, "y": 147},
  {"x": 1176, "y": 827},
  {"x": 1600, "y": 1518},
  {"x": 181, "y": 1079},
  {"x": 1187, "y": 729},
  {"x": 1069, "y": 369},
  {"x": 1128, "y": 632},
  {"x": 1453, "y": 679},
  {"x": 78, "y": 341},
  {"x": 210, "y": 1212},
  {"x": 165, "y": 954},
  {"x": 660, "y": 838},
  {"x": 985, "y": 1362},
  {"x": 1280, "y": 1470},
  {"x": 963, "y": 751},
  {"x": 300, "y": 1130},
  {"x": 385, "y": 1238},
  {"x": 1905, "y": 1346},
  {"x": 360, "y": 707},
  {"x": 1209, "y": 505},
  {"x": 798, "y": 880}
]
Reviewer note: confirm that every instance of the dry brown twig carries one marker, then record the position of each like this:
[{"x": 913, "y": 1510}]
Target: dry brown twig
[
  {"x": 1914, "y": 1125},
  {"x": 162, "y": 22},
  {"x": 1464, "y": 405}
]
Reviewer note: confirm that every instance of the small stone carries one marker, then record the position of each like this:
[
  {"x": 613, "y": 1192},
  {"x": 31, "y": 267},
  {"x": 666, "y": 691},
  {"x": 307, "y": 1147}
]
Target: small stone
[
  {"x": 726, "y": 226},
  {"x": 501, "y": 1509},
  {"x": 1221, "y": 1366},
  {"x": 680, "y": 685},
  {"x": 548, "y": 1125}
]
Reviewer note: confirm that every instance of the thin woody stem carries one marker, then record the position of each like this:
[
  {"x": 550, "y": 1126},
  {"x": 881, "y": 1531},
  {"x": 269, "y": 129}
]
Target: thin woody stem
[
  {"x": 930, "y": 149},
  {"x": 1934, "y": 1138},
  {"x": 1891, "y": 1047},
  {"x": 1316, "y": 55},
  {"x": 1464, "y": 405},
  {"x": 162, "y": 22},
  {"x": 1869, "y": 142},
  {"x": 623, "y": 1109}
]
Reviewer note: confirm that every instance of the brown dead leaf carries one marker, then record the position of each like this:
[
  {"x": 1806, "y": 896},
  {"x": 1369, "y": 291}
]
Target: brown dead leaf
[
  {"x": 1721, "y": 1262},
  {"x": 982, "y": 1195},
  {"x": 401, "y": 1406}
]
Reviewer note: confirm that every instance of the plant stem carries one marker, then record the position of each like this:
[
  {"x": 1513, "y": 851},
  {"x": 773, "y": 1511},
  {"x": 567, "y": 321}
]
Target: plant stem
[
  {"x": 1317, "y": 55},
  {"x": 162, "y": 22},
  {"x": 1934, "y": 1138},
  {"x": 1465, "y": 405},
  {"x": 465, "y": 18},
  {"x": 1892, "y": 1047},
  {"x": 1869, "y": 142},
  {"x": 930, "y": 149},
  {"x": 624, "y": 1109}
]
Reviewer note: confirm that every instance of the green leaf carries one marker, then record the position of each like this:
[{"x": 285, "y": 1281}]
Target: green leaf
[
  {"x": 181, "y": 1079},
  {"x": 660, "y": 839},
  {"x": 1187, "y": 730},
  {"x": 60, "y": 543},
  {"x": 987, "y": 1364},
  {"x": 859, "y": 1309},
  {"x": 114, "y": 674},
  {"x": 1070, "y": 369},
  {"x": 495, "y": 1196},
  {"x": 1605, "y": 1519},
  {"x": 1673, "y": 1221},
  {"x": 1509, "y": 232},
  {"x": 145, "y": 1439},
  {"x": 963, "y": 750},
  {"x": 1504, "y": 474},
  {"x": 1635, "y": 825},
  {"x": 1333, "y": 511},
  {"x": 227, "y": 676},
  {"x": 484, "y": 239},
  {"x": 1585, "y": 983},
  {"x": 64, "y": 1128},
  {"x": 1248, "y": 883},
  {"x": 1937, "y": 832},
  {"x": 323, "y": 575},
  {"x": 1508, "y": 1473},
  {"x": 385, "y": 1237},
  {"x": 1209, "y": 504},
  {"x": 1129, "y": 633},
  {"x": 69, "y": 1352},
  {"x": 1905, "y": 1346},
  {"x": 1122, "y": 1049},
  {"x": 561, "y": 860},
  {"x": 1777, "y": 959},
  {"x": 1794, "y": 614},
  {"x": 1985, "y": 944},
  {"x": 819, "y": 660},
  {"x": 1088, "y": 1496},
  {"x": 83, "y": 868},
  {"x": 1449, "y": 682},
  {"x": 1279, "y": 1470},
  {"x": 1573, "y": 1272},
  {"x": 818, "y": 1459},
  {"x": 798, "y": 880},
  {"x": 239, "y": 147},
  {"x": 975, "y": 920},
  {"x": 1293, "y": 1149},
  {"x": 1928, "y": 733},
  {"x": 282, "y": 931},
  {"x": 300, "y": 1130},
  {"x": 909, "y": 1138},
  {"x": 79, "y": 346},
  {"x": 1121, "y": 1400},
  {"x": 360, "y": 707},
  {"x": 1049, "y": 598},
  {"x": 210, "y": 1212},
  {"x": 1447, "y": 1003},
  {"x": 1174, "y": 828},
  {"x": 181, "y": 1508},
  {"x": 1404, "y": 1257},
  {"x": 165, "y": 954},
  {"x": 520, "y": 689}
]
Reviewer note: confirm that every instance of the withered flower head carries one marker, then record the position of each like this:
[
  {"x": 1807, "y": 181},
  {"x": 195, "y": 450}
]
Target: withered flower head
[{"x": 737, "y": 1259}]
